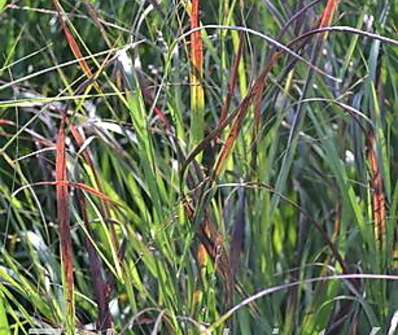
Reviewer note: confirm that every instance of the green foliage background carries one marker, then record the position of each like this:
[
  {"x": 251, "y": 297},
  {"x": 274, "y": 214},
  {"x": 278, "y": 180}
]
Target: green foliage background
[{"x": 304, "y": 193}]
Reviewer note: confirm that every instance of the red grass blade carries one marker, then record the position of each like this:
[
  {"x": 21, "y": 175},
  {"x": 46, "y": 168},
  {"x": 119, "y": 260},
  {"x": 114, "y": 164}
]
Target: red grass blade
[
  {"x": 232, "y": 80},
  {"x": 73, "y": 45},
  {"x": 79, "y": 186},
  {"x": 377, "y": 189},
  {"x": 256, "y": 89},
  {"x": 327, "y": 15},
  {"x": 62, "y": 196},
  {"x": 197, "y": 93},
  {"x": 196, "y": 40}
]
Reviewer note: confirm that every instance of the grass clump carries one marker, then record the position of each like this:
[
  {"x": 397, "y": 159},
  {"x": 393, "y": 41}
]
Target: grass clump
[{"x": 203, "y": 167}]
